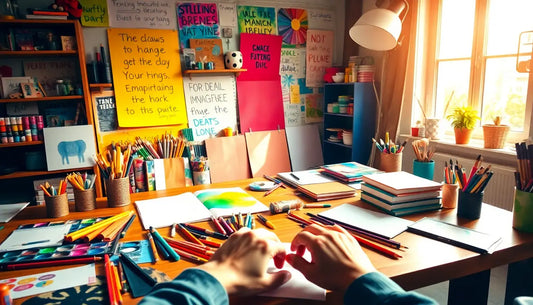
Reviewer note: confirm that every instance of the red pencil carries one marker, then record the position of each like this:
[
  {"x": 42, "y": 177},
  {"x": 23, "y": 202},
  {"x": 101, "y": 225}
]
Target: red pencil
[
  {"x": 188, "y": 234},
  {"x": 111, "y": 290}
]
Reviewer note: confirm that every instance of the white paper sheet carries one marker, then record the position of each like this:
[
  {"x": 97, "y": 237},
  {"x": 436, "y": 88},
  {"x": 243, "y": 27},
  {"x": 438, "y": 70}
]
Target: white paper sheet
[{"x": 8, "y": 211}]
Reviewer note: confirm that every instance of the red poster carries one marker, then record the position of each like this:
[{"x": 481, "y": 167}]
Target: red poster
[
  {"x": 260, "y": 105},
  {"x": 261, "y": 56}
]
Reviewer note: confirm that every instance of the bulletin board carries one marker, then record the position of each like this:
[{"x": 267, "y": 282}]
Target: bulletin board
[{"x": 147, "y": 77}]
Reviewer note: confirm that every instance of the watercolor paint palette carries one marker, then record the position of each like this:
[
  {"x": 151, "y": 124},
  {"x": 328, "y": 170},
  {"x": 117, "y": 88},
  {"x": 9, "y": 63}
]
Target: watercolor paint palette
[
  {"x": 73, "y": 225},
  {"x": 57, "y": 252}
]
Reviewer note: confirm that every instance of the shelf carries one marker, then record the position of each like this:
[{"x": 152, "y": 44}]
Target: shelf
[
  {"x": 41, "y": 99},
  {"x": 339, "y": 114},
  {"x": 236, "y": 71},
  {"x": 23, "y": 174},
  {"x": 49, "y": 22},
  {"x": 19, "y": 144},
  {"x": 39, "y": 53},
  {"x": 338, "y": 144}
]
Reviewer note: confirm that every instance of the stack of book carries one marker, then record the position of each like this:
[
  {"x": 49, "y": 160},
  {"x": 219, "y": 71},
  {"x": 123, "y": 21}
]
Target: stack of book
[
  {"x": 317, "y": 186},
  {"x": 348, "y": 171},
  {"x": 46, "y": 14},
  {"x": 401, "y": 193}
]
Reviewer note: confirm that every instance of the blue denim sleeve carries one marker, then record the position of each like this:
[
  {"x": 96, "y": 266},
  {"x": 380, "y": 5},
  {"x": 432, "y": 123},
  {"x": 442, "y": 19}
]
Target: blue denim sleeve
[
  {"x": 376, "y": 288},
  {"x": 191, "y": 287}
]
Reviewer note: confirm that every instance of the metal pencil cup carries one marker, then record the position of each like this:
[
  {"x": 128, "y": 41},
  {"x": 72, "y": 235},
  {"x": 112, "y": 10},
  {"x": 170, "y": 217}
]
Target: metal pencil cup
[
  {"x": 450, "y": 192},
  {"x": 118, "y": 192},
  {"x": 390, "y": 162},
  {"x": 469, "y": 205},
  {"x": 84, "y": 200},
  {"x": 56, "y": 206},
  {"x": 523, "y": 211}
]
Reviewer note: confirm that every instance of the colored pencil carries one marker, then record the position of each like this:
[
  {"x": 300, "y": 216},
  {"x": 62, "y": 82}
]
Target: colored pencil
[
  {"x": 266, "y": 222},
  {"x": 50, "y": 263},
  {"x": 172, "y": 254},
  {"x": 81, "y": 233},
  {"x": 110, "y": 281},
  {"x": 206, "y": 231},
  {"x": 188, "y": 235},
  {"x": 153, "y": 247},
  {"x": 278, "y": 185}
]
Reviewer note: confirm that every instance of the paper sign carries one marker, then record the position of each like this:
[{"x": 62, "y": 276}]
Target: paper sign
[
  {"x": 319, "y": 56},
  {"x": 256, "y": 20},
  {"x": 147, "y": 77},
  {"x": 260, "y": 105},
  {"x": 154, "y": 14},
  {"x": 313, "y": 108},
  {"x": 211, "y": 104},
  {"x": 261, "y": 56},
  {"x": 198, "y": 20},
  {"x": 95, "y": 13},
  {"x": 268, "y": 152},
  {"x": 321, "y": 19}
]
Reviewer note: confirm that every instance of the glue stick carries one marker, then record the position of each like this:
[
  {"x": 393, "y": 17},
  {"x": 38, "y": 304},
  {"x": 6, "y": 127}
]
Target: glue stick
[{"x": 285, "y": 205}]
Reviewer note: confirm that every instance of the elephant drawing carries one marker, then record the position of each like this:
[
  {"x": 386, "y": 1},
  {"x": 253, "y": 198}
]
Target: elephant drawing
[{"x": 70, "y": 149}]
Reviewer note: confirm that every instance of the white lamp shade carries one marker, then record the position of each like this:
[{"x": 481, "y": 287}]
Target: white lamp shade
[{"x": 378, "y": 29}]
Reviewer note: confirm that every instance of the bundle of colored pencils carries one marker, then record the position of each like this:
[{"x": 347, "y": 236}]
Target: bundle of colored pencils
[
  {"x": 169, "y": 146},
  {"x": 478, "y": 178},
  {"x": 116, "y": 162},
  {"x": 105, "y": 230},
  {"x": 49, "y": 190},
  {"x": 388, "y": 146},
  {"x": 524, "y": 172},
  {"x": 81, "y": 181}
]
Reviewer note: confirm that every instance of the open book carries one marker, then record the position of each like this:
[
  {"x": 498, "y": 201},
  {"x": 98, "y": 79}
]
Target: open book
[{"x": 197, "y": 206}]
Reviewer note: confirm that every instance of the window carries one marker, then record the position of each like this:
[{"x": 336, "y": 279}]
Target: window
[{"x": 471, "y": 58}]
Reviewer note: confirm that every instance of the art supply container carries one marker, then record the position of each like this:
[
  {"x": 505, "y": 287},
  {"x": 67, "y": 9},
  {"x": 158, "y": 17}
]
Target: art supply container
[
  {"x": 523, "y": 211},
  {"x": 200, "y": 172},
  {"x": 84, "y": 200},
  {"x": 469, "y": 205},
  {"x": 284, "y": 206},
  {"x": 450, "y": 194},
  {"x": 56, "y": 206},
  {"x": 414, "y": 131},
  {"x": 424, "y": 169},
  {"x": 390, "y": 162},
  {"x": 118, "y": 192}
]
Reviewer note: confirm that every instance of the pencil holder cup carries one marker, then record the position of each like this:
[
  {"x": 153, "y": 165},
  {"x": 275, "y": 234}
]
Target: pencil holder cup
[
  {"x": 450, "y": 194},
  {"x": 201, "y": 177},
  {"x": 84, "y": 200},
  {"x": 424, "y": 169},
  {"x": 469, "y": 205},
  {"x": 523, "y": 211},
  {"x": 56, "y": 206},
  {"x": 432, "y": 129},
  {"x": 390, "y": 162},
  {"x": 118, "y": 192}
]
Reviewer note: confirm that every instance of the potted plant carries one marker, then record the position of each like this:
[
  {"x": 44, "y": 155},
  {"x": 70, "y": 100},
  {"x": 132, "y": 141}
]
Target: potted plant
[
  {"x": 494, "y": 135},
  {"x": 463, "y": 120}
]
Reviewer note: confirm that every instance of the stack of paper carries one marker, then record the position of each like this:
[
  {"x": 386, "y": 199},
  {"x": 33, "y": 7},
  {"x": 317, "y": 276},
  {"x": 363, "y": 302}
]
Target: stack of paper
[{"x": 401, "y": 193}]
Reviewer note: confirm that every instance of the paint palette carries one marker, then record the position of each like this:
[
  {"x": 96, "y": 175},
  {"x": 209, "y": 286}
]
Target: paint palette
[
  {"x": 138, "y": 251},
  {"x": 58, "y": 252},
  {"x": 74, "y": 225}
]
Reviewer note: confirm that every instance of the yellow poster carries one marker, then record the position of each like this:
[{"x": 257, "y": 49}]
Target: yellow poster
[{"x": 147, "y": 77}]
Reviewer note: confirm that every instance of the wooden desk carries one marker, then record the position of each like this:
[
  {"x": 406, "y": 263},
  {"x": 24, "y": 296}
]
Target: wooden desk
[{"x": 426, "y": 262}]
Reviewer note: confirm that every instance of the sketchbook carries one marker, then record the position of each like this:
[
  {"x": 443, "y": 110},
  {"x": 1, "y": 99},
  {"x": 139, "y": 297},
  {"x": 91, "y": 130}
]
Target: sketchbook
[
  {"x": 348, "y": 171},
  {"x": 197, "y": 206}
]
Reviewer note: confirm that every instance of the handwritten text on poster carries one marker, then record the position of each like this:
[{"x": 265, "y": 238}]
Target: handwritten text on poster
[{"x": 147, "y": 77}]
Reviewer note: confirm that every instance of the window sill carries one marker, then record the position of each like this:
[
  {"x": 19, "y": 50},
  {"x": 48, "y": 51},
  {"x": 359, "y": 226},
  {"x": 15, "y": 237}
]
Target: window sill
[{"x": 505, "y": 156}]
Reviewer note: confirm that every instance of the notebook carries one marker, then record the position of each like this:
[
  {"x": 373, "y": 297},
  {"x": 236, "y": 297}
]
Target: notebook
[
  {"x": 297, "y": 178},
  {"x": 398, "y": 183},
  {"x": 458, "y": 236},
  {"x": 395, "y": 199},
  {"x": 348, "y": 171},
  {"x": 327, "y": 191},
  {"x": 197, "y": 206}
]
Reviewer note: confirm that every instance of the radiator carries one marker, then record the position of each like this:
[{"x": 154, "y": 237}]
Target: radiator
[{"x": 500, "y": 189}]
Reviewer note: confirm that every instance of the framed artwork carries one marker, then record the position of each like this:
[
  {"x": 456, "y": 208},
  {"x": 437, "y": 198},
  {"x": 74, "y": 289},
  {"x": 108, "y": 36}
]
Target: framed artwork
[{"x": 69, "y": 147}]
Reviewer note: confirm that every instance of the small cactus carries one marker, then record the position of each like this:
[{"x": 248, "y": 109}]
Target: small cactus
[{"x": 497, "y": 120}]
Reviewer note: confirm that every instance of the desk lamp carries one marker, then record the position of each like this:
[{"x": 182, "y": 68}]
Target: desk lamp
[{"x": 378, "y": 29}]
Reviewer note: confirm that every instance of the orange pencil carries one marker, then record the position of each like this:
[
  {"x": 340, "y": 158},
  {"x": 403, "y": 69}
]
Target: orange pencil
[
  {"x": 153, "y": 247},
  {"x": 188, "y": 234},
  {"x": 113, "y": 229},
  {"x": 110, "y": 281},
  {"x": 45, "y": 190}
]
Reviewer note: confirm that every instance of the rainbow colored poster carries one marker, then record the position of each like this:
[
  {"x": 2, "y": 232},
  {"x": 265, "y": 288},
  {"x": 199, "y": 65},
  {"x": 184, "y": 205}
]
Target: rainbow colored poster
[{"x": 292, "y": 25}]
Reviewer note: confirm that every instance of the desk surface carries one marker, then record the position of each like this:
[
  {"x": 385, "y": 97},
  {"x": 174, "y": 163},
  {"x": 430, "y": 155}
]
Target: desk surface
[{"x": 426, "y": 262}]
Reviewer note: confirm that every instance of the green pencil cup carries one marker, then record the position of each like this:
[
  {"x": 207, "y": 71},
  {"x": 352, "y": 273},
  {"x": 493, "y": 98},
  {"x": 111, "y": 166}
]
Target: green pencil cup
[
  {"x": 424, "y": 169},
  {"x": 523, "y": 211}
]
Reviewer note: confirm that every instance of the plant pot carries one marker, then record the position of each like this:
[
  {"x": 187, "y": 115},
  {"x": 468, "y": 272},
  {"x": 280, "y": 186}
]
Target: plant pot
[
  {"x": 494, "y": 135},
  {"x": 463, "y": 135}
]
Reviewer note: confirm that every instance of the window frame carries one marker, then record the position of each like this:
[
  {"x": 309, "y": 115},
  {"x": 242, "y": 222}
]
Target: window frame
[{"x": 426, "y": 70}]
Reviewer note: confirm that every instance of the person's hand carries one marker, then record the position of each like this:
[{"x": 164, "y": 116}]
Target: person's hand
[
  {"x": 337, "y": 258},
  {"x": 240, "y": 264}
]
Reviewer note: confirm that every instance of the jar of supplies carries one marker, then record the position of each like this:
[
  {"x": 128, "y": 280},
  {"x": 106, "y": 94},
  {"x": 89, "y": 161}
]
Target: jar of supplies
[{"x": 61, "y": 88}]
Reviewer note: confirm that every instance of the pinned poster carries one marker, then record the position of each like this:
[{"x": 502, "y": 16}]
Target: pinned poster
[
  {"x": 198, "y": 20},
  {"x": 261, "y": 56},
  {"x": 268, "y": 152},
  {"x": 217, "y": 151},
  {"x": 153, "y": 14},
  {"x": 95, "y": 13},
  {"x": 319, "y": 56},
  {"x": 260, "y": 105},
  {"x": 211, "y": 104},
  {"x": 256, "y": 20},
  {"x": 293, "y": 25},
  {"x": 147, "y": 77},
  {"x": 314, "y": 103}
]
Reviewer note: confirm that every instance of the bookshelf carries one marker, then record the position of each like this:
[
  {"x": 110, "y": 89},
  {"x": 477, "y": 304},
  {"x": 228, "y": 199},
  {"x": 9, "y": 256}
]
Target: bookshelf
[{"x": 19, "y": 170}]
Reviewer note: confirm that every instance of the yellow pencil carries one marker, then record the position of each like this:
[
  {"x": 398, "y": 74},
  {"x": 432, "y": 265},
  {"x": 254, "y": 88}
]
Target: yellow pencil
[{"x": 81, "y": 233}]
